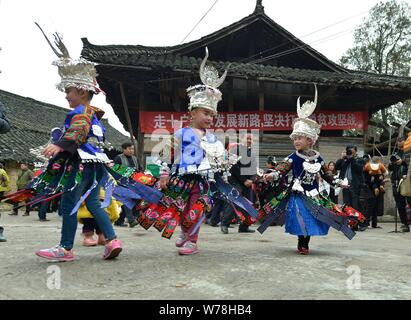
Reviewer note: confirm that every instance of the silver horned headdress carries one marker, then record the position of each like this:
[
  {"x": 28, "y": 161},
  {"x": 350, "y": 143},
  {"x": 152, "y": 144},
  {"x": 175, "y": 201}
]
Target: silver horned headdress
[
  {"x": 303, "y": 126},
  {"x": 206, "y": 95},
  {"x": 77, "y": 73}
]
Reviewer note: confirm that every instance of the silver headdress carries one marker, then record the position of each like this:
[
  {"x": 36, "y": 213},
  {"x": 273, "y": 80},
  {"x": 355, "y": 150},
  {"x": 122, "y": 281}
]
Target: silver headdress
[
  {"x": 303, "y": 126},
  {"x": 77, "y": 73},
  {"x": 206, "y": 95}
]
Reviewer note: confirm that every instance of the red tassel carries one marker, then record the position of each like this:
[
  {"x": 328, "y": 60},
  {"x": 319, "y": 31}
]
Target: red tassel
[
  {"x": 148, "y": 217},
  {"x": 18, "y": 196},
  {"x": 144, "y": 178},
  {"x": 171, "y": 226},
  {"x": 164, "y": 218},
  {"x": 194, "y": 214}
]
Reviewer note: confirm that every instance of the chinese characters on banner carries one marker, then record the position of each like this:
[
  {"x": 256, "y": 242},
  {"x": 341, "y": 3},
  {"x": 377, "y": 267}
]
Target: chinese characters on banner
[{"x": 259, "y": 120}]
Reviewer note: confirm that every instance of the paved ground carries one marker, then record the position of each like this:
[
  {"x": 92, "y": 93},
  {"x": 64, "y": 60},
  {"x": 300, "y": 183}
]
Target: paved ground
[{"x": 234, "y": 266}]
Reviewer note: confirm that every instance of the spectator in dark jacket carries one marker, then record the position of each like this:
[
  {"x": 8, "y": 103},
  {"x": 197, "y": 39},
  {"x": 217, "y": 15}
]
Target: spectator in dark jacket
[
  {"x": 351, "y": 167},
  {"x": 398, "y": 168},
  {"x": 127, "y": 159},
  {"x": 241, "y": 178}
]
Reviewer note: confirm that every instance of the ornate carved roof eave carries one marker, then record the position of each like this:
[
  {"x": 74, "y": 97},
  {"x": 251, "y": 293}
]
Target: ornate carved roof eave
[
  {"x": 121, "y": 66},
  {"x": 314, "y": 78},
  {"x": 184, "y": 64},
  {"x": 324, "y": 83},
  {"x": 88, "y": 48},
  {"x": 376, "y": 75}
]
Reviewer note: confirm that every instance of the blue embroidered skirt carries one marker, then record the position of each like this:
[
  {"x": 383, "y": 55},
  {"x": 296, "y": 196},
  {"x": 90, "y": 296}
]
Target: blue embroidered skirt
[{"x": 300, "y": 222}]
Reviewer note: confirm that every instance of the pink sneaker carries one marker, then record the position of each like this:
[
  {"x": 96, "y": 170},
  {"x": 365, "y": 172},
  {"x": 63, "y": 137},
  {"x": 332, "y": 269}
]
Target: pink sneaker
[
  {"x": 181, "y": 240},
  {"x": 89, "y": 240},
  {"x": 112, "y": 250},
  {"x": 58, "y": 253},
  {"x": 188, "y": 248}
]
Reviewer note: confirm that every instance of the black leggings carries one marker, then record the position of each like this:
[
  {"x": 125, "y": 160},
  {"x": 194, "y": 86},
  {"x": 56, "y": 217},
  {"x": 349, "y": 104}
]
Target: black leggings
[
  {"x": 303, "y": 241},
  {"x": 90, "y": 225}
]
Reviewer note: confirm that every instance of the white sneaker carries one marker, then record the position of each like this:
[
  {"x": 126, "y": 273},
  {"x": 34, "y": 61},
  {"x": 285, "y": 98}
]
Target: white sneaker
[
  {"x": 188, "y": 248},
  {"x": 181, "y": 240}
]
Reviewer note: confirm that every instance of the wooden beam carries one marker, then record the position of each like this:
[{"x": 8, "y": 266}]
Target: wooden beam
[
  {"x": 176, "y": 99},
  {"x": 305, "y": 82},
  {"x": 121, "y": 66},
  {"x": 261, "y": 97},
  {"x": 230, "y": 96},
  {"x": 140, "y": 135},
  {"x": 133, "y": 107},
  {"x": 127, "y": 114},
  {"x": 261, "y": 101},
  {"x": 135, "y": 84},
  {"x": 329, "y": 93}
]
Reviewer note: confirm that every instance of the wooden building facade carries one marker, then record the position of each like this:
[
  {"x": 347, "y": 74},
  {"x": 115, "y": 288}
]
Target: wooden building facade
[{"x": 270, "y": 68}]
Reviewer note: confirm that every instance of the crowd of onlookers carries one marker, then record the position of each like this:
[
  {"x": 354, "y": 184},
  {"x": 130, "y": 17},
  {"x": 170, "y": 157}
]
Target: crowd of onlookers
[{"x": 367, "y": 177}]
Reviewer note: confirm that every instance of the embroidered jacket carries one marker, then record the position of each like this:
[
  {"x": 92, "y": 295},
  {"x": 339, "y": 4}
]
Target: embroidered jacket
[
  {"x": 307, "y": 167},
  {"x": 83, "y": 130}
]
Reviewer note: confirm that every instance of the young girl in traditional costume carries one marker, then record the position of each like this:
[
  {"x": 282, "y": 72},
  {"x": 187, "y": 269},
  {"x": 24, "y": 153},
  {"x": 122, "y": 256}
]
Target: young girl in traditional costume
[
  {"x": 304, "y": 210},
  {"x": 78, "y": 167},
  {"x": 80, "y": 145},
  {"x": 198, "y": 159}
]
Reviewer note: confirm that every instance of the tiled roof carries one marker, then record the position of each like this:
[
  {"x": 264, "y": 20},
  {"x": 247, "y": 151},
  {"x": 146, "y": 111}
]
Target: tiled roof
[
  {"x": 94, "y": 52},
  {"x": 178, "y": 58},
  {"x": 31, "y": 122},
  {"x": 122, "y": 58}
]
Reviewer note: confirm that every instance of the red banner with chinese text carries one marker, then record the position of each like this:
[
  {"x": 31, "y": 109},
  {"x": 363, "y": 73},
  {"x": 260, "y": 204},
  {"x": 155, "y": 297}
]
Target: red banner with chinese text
[{"x": 260, "y": 120}]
